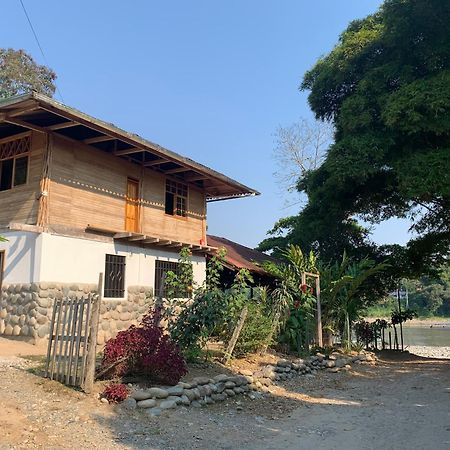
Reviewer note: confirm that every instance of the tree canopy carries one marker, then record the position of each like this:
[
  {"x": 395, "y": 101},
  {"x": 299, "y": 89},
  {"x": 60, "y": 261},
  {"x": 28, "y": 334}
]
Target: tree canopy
[
  {"x": 386, "y": 88},
  {"x": 19, "y": 74}
]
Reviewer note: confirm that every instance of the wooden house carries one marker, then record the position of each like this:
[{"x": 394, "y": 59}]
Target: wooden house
[{"x": 79, "y": 196}]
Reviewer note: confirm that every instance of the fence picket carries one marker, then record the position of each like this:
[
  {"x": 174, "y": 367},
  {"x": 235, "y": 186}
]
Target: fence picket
[{"x": 72, "y": 328}]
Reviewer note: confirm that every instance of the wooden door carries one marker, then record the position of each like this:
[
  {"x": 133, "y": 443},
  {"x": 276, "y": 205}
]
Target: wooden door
[{"x": 132, "y": 206}]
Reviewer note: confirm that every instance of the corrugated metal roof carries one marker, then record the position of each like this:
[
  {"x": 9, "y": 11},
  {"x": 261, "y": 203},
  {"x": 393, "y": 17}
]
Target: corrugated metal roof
[{"x": 239, "y": 256}]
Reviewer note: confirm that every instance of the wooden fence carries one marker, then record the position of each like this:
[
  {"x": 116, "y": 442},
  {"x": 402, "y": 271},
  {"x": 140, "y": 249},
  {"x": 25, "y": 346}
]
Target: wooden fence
[{"x": 73, "y": 339}]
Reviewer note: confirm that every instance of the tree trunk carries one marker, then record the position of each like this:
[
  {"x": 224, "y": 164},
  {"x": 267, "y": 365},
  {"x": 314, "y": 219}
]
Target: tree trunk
[{"x": 348, "y": 331}]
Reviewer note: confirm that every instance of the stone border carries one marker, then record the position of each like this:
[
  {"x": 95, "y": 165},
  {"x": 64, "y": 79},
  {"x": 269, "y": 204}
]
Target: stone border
[{"x": 203, "y": 391}]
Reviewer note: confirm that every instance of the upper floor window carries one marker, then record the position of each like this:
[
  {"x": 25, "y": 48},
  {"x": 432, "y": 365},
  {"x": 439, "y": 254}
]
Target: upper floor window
[
  {"x": 14, "y": 162},
  {"x": 176, "y": 198}
]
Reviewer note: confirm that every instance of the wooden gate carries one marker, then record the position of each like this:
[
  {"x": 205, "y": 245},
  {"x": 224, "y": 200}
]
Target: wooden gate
[{"x": 72, "y": 341}]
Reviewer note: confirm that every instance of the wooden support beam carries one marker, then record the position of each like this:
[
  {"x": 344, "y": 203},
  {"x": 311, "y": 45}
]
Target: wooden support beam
[
  {"x": 155, "y": 162},
  {"x": 139, "y": 237},
  {"x": 94, "y": 140},
  {"x": 125, "y": 235},
  {"x": 196, "y": 178},
  {"x": 128, "y": 151},
  {"x": 61, "y": 126},
  {"x": 177, "y": 170},
  {"x": 22, "y": 123},
  {"x": 175, "y": 244},
  {"x": 164, "y": 242},
  {"x": 150, "y": 240},
  {"x": 22, "y": 111}
]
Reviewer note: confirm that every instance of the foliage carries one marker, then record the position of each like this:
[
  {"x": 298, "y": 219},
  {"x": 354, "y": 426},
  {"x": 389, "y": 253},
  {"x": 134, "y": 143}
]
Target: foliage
[
  {"x": 364, "y": 332},
  {"x": 344, "y": 295},
  {"x": 398, "y": 317},
  {"x": 115, "y": 392},
  {"x": 144, "y": 350},
  {"x": 430, "y": 295},
  {"x": 199, "y": 318},
  {"x": 300, "y": 324},
  {"x": 386, "y": 88},
  {"x": 213, "y": 313},
  {"x": 179, "y": 287},
  {"x": 288, "y": 277},
  {"x": 256, "y": 334},
  {"x": 19, "y": 74}
]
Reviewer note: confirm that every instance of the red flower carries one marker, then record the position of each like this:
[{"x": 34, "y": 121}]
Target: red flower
[
  {"x": 304, "y": 288},
  {"x": 297, "y": 304}
]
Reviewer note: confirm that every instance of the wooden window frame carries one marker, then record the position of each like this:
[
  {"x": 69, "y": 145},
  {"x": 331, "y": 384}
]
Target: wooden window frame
[
  {"x": 14, "y": 158},
  {"x": 175, "y": 198},
  {"x": 115, "y": 289}
]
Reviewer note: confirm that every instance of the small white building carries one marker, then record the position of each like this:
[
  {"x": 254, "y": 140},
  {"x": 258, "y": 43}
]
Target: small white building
[{"x": 79, "y": 197}]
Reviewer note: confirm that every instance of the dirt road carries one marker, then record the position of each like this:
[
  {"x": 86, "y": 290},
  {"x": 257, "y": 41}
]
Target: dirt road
[{"x": 397, "y": 404}]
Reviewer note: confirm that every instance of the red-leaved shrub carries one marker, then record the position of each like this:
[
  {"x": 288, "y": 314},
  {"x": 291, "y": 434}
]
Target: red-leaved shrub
[
  {"x": 115, "y": 392},
  {"x": 144, "y": 350}
]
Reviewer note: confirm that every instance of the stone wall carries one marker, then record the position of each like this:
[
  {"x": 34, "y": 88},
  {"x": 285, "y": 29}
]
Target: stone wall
[
  {"x": 26, "y": 309},
  {"x": 202, "y": 391}
]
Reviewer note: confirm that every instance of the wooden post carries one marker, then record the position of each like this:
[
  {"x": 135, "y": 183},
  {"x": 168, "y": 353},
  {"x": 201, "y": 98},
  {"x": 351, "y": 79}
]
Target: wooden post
[
  {"x": 400, "y": 313},
  {"x": 319, "y": 313},
  {"x": 235, "y": 337},
  {"x": 92, "y": 343},
  {"x": 43, "y": 209}
]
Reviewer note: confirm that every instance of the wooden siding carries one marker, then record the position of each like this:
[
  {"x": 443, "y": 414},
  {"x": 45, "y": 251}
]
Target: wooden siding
[
  {"x": 20, "y": 204},
  {"x": 88, "y": 186}
]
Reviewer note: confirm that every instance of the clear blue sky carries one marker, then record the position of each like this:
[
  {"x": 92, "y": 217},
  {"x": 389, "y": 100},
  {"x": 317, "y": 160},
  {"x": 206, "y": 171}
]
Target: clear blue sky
[{"x": 208, "y": 79}]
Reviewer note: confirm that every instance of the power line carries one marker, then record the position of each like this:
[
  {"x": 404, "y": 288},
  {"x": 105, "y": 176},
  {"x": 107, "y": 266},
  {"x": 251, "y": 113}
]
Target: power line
[{"x": 39, "y": 45}]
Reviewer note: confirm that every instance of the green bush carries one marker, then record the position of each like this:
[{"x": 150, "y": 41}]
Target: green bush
[{"x": 256, "y": 332}]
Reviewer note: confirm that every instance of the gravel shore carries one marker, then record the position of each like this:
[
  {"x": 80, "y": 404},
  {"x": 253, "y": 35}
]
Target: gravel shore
[{"x": 430, "y": 352}]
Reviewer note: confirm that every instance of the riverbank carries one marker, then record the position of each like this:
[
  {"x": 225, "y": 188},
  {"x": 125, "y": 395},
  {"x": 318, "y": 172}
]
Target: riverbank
[
  {"x": 427, "y": 351},
  {"x": 429, "y": 322}
]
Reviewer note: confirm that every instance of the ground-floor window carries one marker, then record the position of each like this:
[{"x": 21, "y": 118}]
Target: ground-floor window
[
  {"x": 114, "y": 276},
  {"x": 161, "y": 269}
]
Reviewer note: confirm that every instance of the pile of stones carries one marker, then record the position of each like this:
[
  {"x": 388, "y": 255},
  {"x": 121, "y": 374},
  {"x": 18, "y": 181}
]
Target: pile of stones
[{"x": 203, "y": 391}]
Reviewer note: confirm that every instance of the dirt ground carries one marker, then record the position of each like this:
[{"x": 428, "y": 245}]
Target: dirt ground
[{"x": 403, "y": 402}]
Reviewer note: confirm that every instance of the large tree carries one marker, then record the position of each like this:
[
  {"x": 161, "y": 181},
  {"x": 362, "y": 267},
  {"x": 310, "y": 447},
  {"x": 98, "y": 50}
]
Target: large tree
[
  {"x": 386, "y": 88},
  {"x": 19, "y": 74}
]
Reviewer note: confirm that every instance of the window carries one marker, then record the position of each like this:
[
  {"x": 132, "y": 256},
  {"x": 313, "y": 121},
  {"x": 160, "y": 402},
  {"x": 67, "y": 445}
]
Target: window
[
  {"x": 161, "y": 269},
  {"x": 176, "y": 198},
  {"x": 114, "y": 276},
  {"x": 14, "y": 163},
  {"x": 2, "y": 266}
]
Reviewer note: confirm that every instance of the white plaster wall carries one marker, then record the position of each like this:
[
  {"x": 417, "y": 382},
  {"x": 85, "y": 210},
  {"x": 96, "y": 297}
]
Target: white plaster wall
[
  {"x": 33, "y": 257},
  {"x": 22, "y": 256},
  {"x": 76, "y": 260}
]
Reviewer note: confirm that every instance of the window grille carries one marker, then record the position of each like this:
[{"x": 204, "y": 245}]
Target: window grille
[
  {"x": 114, "y": 276},
  {"x": 14, "y": 162},
  {"x": 15, "y": 147},
  {"x": 161, "y": 269}
]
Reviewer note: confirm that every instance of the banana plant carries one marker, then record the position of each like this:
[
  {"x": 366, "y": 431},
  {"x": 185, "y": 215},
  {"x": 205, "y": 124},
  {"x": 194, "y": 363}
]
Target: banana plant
[{"x": 343, "y": 292}]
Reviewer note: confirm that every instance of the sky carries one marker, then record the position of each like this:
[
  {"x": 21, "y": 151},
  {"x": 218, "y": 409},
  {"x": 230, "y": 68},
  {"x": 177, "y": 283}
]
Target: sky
[{"x": 211, "y": 80}]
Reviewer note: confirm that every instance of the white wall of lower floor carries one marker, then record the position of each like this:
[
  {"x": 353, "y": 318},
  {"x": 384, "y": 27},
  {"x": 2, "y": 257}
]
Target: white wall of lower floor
[{"x": 35, "y": 257}]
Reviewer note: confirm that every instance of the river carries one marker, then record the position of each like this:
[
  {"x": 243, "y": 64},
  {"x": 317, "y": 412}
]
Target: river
[{"x": 435, "y": 336}]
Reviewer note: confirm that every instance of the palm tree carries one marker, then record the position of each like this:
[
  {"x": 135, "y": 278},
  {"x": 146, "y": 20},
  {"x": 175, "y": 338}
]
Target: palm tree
[{"x": 343, "y": 292}]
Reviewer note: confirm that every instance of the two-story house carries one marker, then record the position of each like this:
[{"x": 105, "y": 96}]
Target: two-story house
[{"x": 79, "y": 196}]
